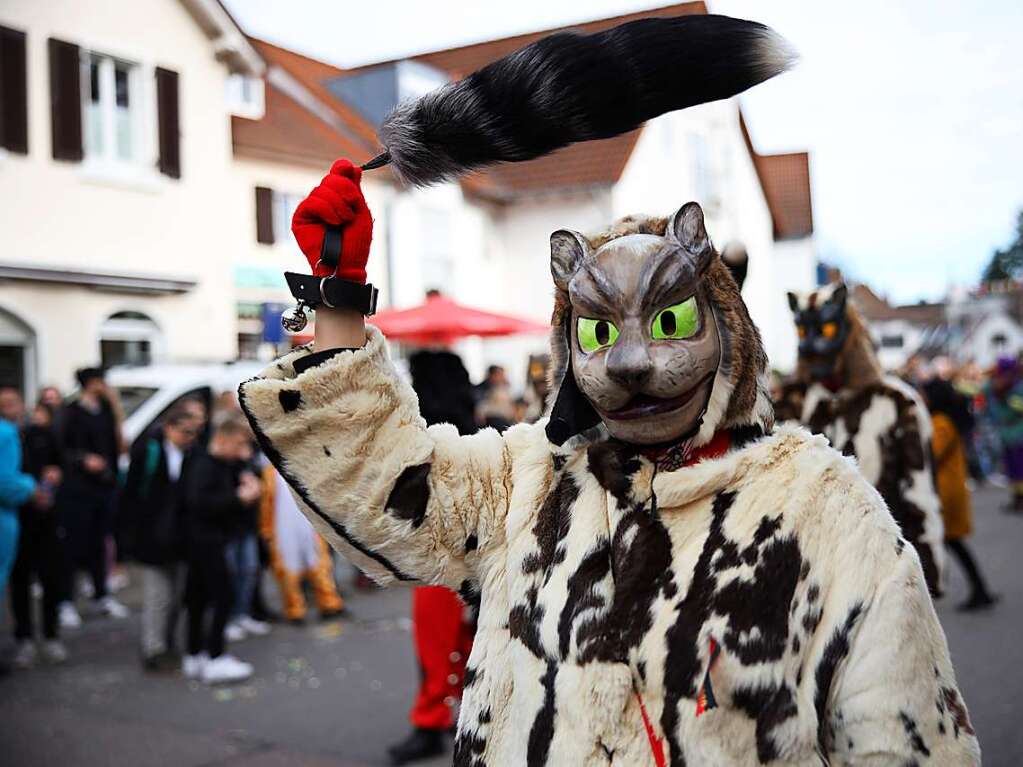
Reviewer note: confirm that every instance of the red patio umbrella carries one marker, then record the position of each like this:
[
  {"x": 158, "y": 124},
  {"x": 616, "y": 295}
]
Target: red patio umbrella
[{"x": 439, "y": 319}]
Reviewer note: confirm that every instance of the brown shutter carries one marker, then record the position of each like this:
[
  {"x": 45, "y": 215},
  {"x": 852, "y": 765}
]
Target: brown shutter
[
  {"x": 167, "y": 120},
  {"x": 13, "y": 92},
  {"x": 65, "y": 100},
  {"x": 264, "y": 215}
]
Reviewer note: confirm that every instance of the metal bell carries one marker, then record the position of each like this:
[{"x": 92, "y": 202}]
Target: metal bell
[{"x": 294, "y": 320}]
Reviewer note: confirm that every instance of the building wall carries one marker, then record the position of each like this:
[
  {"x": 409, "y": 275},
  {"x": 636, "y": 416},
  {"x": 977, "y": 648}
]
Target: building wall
[
  {"x": 997, "y": 335},
  {"x": 700, "y": 154},
  {"x": 518, "y": 280},
  {"x": 64, "y": 215},
  {"x": 896, "y": 341}
]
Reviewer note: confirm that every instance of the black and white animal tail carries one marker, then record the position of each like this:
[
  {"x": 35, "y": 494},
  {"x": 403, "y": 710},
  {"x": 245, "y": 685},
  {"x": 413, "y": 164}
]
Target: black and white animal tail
[{"x": 571, "y": 87}]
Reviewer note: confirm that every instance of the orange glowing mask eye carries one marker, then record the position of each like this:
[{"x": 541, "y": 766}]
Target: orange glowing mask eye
[
  {"x": 829, "y": 330},
  {"x": 802, "y": 331}
]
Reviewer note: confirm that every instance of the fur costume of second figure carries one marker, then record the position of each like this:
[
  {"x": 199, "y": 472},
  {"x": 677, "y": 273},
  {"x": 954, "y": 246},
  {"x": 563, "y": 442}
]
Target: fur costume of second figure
[
  {"x": 740, "y": 598},
  {"x": 841, "y": 392}
]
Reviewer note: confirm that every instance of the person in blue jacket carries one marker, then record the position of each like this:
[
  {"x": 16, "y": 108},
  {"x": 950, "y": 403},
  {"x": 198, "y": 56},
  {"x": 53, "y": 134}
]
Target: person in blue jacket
[{"x": 16, "y": 487}]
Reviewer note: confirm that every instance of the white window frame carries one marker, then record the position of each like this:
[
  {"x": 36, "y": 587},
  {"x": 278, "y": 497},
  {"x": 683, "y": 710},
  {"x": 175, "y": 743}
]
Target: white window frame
[
  {"x": 139, "y": 329},
  {"x": 283, "y": 208},
  {"x": 139, "y": 170}
]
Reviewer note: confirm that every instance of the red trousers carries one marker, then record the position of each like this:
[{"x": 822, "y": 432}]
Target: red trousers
[{"x": 443, "y": 640}]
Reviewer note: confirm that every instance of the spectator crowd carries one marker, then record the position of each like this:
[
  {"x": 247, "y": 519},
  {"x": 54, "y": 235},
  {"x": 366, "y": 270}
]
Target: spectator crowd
[{"x": 191, "y": 504}]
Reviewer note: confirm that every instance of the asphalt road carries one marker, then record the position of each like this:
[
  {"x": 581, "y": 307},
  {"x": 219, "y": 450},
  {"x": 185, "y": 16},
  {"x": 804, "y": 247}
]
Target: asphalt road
[{"x": 336, "y": 694}]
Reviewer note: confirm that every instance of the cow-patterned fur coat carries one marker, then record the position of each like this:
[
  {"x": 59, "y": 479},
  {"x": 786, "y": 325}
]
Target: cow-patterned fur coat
[
  {"x": 758, "y": 607},
  {"x": 881, "y": 422},
  {"x": 885, "y": 426}
]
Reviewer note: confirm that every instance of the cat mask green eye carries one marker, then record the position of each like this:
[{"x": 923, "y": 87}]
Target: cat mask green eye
[
  {"x": 676, "y": 322},
  {"x": 595, "y": 335}
]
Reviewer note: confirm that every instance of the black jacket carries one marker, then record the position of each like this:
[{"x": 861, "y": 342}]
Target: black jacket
[
  {"x": 40, "y": 448},
  {"x": 442, "y": 384},
  {"x": 152, "y": 505},
  {"x": 213, "y": 512},
  {"x": 84, "y": 432}
]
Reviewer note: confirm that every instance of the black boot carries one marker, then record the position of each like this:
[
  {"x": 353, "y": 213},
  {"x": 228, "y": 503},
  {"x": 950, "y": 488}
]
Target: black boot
[
  {"x": 978, "y": 601},
  {"x": 421, "y": 744}
]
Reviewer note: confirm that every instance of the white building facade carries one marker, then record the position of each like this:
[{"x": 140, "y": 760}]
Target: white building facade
[{"x": 117, "y": 228}]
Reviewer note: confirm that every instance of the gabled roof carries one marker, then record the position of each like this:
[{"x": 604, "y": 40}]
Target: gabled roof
[
  {"x": 291, "y": 131},
  {"x": 785, "y": 179},
  {"x": 313, "y": 75},
  {"x": 230, "y": 43},
  {"x": 877, "y": 309}
]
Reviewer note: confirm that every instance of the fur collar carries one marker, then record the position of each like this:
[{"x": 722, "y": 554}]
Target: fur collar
[{"x": 709, "y": 477}]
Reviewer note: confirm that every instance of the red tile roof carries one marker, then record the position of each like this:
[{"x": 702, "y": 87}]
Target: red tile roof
[
  {"x": 292, "y": 132},
  {"x": 786, "y": 182},
  {"x": 785, "y": 179},
  {"x": 289, "y": 132}
]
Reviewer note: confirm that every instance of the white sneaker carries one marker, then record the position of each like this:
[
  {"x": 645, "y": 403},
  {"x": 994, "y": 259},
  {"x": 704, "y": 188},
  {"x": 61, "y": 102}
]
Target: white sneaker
[
  {"x": 25, "y": 655},
  {"x": 225, "y": 668},
  {"x": 233, "y": 632},
  {"x": 54, "y": 651},
  {"x": 113, "y": 608},
  {"x": 68, "y": 616},
  {"x": 192, "y": 665},
  {"x": 251, "y": 626}
]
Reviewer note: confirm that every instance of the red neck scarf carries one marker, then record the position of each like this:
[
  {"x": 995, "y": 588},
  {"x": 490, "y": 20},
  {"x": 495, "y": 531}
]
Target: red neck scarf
[{"x": 682, "y": 454}]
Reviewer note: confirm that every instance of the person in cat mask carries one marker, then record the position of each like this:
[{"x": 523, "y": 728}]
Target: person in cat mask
[
  {"x": 841, "y": 392},
  {"x": 665, "y": 577}
]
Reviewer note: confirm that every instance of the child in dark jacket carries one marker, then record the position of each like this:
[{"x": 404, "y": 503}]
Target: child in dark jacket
[
  {"x": 220, "y": 491},
  {"x": 152, "y": 503}
]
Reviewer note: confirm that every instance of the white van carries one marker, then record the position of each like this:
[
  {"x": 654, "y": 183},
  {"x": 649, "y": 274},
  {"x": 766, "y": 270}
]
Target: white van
[{"x": 148, "y": 392}]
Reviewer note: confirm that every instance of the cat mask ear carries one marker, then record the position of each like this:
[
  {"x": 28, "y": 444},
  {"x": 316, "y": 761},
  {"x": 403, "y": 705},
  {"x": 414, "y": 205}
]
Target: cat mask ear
[
  {"x": 687, "y": 229},
  {"x": 568, "y": 249}
]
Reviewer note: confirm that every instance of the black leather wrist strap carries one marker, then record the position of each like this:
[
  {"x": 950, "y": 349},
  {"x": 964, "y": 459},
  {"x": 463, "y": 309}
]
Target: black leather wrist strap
[
  {"x": 330, "y": 248},
  {"x": 332, "y": 292}
]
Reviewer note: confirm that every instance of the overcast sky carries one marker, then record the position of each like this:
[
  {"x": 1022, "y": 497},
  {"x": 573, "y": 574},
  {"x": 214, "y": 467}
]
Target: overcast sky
[{"x": 912, "y": 110}]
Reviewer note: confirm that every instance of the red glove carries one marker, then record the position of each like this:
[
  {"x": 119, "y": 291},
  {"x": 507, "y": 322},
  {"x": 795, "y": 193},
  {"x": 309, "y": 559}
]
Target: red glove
[{"x": 337, "y": 201}]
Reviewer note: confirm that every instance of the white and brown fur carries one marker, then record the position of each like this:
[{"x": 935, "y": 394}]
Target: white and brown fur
[
  {"x": 881, "y": 422},
  {"x": 604, "y": 581}
]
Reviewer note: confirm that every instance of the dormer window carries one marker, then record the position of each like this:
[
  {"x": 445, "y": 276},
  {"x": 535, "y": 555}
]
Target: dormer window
[{"x": 245, "y": 96}]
